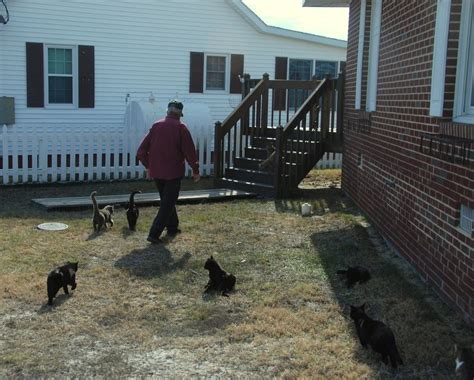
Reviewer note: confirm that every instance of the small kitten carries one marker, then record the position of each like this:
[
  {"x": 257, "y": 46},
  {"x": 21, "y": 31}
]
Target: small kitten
[
  {"x": 355, "y": 274},
  {"x": 132, "y": 212},
  {"x": 61, "y": 277},
  {"x": 464, "y": 363},
  {"x": 219, "y": 279},
  {"x": 268, "y": 163},
  {"x": 376, "y": 334},
  {"x": 101, "y": 217}
]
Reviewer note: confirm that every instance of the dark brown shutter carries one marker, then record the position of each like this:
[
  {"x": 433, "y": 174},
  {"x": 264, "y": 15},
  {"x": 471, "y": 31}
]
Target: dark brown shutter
[
  {"x": 34, "y": 75},
  {"x": 86, "y": 77},
  {"x": 236, "y": 69},
  {"x": 281, "y": 68},
  {"x": 196, "y": 72}
]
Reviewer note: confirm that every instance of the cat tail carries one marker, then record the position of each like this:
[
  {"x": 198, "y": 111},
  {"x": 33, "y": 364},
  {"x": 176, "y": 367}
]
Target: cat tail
[
  {"x": 395, "y": 358},
  {"x": 341, "y": 271},
  {"x": 94, "y": 202},
  {"x": 131, "y": 203}
]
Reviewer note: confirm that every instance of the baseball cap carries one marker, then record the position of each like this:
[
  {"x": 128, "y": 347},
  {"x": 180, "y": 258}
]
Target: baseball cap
[{"x": 176, "y": 105}]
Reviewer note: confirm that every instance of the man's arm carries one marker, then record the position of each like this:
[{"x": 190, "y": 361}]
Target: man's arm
[
  {"x": 189, "y": 151},
  {"x": 143, "y": 150}
]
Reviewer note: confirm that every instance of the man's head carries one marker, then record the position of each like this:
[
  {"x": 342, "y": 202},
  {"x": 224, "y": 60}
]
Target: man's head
[{"x": 175, "y": 107}]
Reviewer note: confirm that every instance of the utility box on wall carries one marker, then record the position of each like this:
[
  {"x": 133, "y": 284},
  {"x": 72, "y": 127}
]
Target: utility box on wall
[{"x": 7, "y": 110}]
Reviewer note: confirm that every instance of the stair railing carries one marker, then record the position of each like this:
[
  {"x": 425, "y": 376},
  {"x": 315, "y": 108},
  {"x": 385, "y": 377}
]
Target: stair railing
[
  {"x": 234, "y": 133},
  {"x": 301, "y": 142}
]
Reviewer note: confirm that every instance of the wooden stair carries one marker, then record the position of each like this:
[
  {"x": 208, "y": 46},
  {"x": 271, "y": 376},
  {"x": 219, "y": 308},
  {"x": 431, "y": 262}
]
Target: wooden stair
[{"x": 246, "y": 138}]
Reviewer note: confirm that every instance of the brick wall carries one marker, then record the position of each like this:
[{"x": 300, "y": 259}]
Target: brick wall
[{"x": 412, "y": 198}]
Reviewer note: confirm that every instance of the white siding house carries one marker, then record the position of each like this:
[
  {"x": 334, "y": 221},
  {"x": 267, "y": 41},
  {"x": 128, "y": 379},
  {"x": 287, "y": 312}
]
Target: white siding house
[{"x": 135, "y": 48}]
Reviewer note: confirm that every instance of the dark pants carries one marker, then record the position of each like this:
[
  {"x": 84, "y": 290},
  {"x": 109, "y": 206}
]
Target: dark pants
[{"x": 167, "y": 216}]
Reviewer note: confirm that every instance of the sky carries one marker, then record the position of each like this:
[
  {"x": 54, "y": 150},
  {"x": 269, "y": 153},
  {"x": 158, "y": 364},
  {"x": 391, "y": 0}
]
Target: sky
[{"x": 290, "y": 14}]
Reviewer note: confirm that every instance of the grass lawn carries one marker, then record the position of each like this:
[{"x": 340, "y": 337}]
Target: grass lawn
[{"x": 138, "y": 309}]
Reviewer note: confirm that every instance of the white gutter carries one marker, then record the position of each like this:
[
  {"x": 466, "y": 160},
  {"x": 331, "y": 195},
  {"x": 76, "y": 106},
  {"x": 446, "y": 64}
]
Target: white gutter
[
  {"x": 375, "y": 21},
  {"x": 360, "y": 56},
  {"x": 440, "y": 50}
]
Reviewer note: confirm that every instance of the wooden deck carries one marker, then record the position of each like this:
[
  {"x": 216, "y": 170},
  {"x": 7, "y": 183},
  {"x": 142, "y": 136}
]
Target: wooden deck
[{"x": 141, "y": 199}]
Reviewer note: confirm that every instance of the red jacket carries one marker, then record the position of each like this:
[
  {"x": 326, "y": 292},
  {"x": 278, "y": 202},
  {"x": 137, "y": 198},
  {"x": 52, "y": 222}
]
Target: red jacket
[{"x": 165, "y": 147}]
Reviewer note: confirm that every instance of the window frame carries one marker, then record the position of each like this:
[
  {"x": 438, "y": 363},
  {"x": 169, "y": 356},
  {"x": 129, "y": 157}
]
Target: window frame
[
  {"x": 75, "y": 75},
  {"x": 289, "y": 99},
  {"x": 337, "y": 62},
  {"x": 226, "y": 73},
  {"x": 311, "y": 73},
  {"x": 463, "y": 72}
]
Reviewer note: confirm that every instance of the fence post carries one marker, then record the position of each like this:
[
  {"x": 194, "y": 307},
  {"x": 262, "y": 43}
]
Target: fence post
[
  {"x": 43, "y": 162},
  {"x": 5, "y": 171},
  {"x": 217, "y": 150},
  {"x": 279, "y": 163}
]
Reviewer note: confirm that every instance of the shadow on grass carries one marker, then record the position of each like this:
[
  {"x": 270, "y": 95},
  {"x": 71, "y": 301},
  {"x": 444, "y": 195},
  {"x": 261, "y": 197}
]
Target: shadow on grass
[
  {"x": 321, "y": 200},
  {"x": 392, "y": 298},
  {"x": 126, "y": 232},
  {"x": 152, "y": 261},
  {"x": 58, "y": 301}
]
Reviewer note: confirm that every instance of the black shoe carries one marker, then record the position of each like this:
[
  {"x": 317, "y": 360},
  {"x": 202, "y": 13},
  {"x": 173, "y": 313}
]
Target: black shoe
[
  {"x": 154, "y": 240},
  {"x": 173, "y": 232}
]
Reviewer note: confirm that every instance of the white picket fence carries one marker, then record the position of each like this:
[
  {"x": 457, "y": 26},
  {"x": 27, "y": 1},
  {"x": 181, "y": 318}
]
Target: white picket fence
[
  {"x": 330, "y": 161},
  {"x": 90, "y": 156},
  {"x": 76, "y": 157}
]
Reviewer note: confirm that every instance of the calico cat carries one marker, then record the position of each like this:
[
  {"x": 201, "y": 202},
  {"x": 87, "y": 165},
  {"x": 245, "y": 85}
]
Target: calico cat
[
  {"x": 219, "y": 279},
  {"x": 268, "y": 163},
  {"x": 59, "y": 278},
  {"x": 132, "y": 211},
  {"x": 464, "y": 363},
  {"x": 376, "y": 334},
  {"x": 102, "y": 216},
  {"x": 354, "y": 275}
]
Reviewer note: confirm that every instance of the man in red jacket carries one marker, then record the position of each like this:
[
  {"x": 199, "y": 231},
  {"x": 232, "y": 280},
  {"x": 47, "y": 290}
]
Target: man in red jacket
[{"x": 162, "y": 152}]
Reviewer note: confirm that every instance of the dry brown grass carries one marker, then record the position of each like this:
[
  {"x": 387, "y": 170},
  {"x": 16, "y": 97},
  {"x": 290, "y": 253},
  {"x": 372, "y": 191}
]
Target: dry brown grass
[{"x": 138, "y": 310}]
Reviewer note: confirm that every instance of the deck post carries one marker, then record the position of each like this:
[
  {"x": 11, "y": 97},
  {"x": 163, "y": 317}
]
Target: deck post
[
  {"x": 340, "y": 105},
  {"x": 264, "y": 117},
  {"x": 217, "y": 150},
  {"x": 279, "y": 162}
]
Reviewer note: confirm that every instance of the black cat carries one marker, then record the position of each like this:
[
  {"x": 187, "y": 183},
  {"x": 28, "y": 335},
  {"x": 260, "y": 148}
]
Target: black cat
[
  {"x": 376, "y": 334},
  {"x": 219, "y": 279},
  {"x": 464, "y": 363},
  {"x": 61, "y": 277},
  {"x": 132, "y": 211},
  {"x": 355, "y": 274}
]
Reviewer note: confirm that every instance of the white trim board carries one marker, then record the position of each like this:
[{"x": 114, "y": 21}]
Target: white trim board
[
  {"x": 360, "y": 55},
  {"x": 440, "y": 49},
  {"x": 375, "y": 21}
]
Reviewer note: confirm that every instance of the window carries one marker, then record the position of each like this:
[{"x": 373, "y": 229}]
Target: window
[
  {"x": 324, "y": 68},
  {"x": 216, "y": 72},
  {"x": 299, "y": 69},
  {"x": 59, "y": 83},
  {"x": 466, "y": 223},
  {"x": 464, "y": 95}
]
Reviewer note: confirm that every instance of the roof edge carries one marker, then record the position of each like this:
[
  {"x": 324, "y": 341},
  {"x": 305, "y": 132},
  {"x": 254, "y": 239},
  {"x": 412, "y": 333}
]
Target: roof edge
[
  {"x": 326, "y": 3},
  {"x": 262, "y": 27}
]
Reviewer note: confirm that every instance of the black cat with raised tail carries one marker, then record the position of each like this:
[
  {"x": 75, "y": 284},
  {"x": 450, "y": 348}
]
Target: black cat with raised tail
[
  {"x": 132, "y": 211},
  {"x": 61, "y": 277},
  {"x": 355, "y": 274},
  {"x": 219, "y": 279},
  {"x": 376, "y": 334}
]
